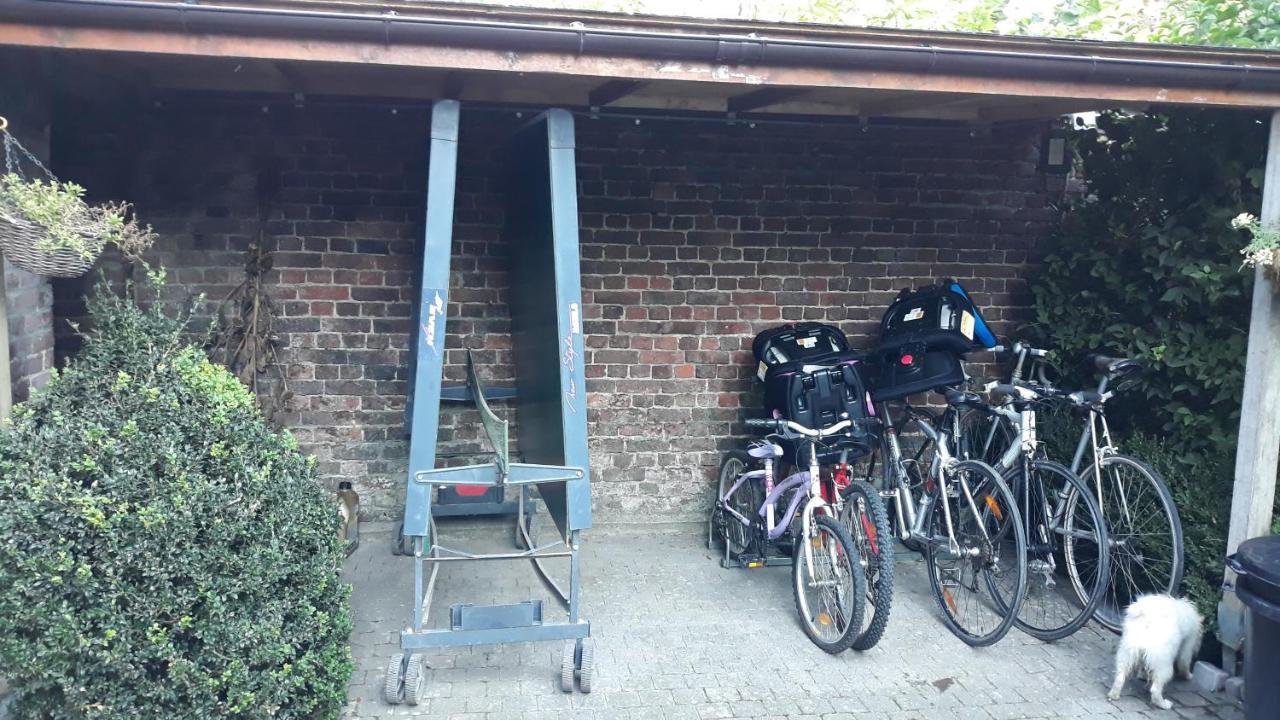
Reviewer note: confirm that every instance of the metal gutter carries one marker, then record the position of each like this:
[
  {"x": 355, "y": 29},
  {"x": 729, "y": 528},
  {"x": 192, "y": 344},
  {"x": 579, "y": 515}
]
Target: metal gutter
[{"x": 730, "y": 49}]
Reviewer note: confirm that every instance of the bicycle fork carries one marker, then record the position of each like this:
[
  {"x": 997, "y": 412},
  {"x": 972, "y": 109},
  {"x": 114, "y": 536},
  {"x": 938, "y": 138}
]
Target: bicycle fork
[{"x": 815, "y": 502}]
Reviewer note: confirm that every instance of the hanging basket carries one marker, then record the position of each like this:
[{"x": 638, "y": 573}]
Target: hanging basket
[
  {"x": 19, "y": 239},
  {"x": 82, "y": 231}
]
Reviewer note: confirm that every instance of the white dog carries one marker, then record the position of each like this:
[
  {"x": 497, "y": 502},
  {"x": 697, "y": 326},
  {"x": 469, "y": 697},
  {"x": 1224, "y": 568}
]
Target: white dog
[{"x": 1161, "y": 635}]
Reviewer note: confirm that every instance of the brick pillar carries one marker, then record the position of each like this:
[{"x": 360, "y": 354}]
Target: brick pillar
[{"x": 28, "y": 298}]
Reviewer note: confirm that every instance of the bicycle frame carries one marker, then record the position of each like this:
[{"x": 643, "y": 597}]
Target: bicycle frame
[
  {"x": 773, "y": 526},
  {"x": 911, "y": 513},
  {"x": 1089, "y": 437}
]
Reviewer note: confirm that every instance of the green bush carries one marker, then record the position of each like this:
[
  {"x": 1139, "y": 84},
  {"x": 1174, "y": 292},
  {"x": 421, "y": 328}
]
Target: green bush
[
  {"x": 1197, "y": 483},
  {"x": 1145, "y": 264},
  {"x": 163, "y": 553}
]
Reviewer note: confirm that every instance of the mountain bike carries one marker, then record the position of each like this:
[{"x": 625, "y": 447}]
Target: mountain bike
[
  {"x": 1067, "y": 536},
  {"x": 754, "y": 517},
  {"x": 960, "y": 515},
  {"x": 1143, "y": 525}
]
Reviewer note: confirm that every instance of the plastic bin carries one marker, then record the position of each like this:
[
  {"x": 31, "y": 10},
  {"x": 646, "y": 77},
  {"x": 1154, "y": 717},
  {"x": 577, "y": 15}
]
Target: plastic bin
[{"x": 1257, "y": 565}]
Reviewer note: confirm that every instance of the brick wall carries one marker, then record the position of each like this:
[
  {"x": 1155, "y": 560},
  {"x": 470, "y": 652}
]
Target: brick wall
[{"x": 695, "y": 235}]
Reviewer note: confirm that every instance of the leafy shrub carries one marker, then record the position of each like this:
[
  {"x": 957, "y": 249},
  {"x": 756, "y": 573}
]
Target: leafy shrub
[
  {"x": 164, "y": 553},
  {"x": 1146, "y": 264},
  {"x": 1197, "y": 483}
]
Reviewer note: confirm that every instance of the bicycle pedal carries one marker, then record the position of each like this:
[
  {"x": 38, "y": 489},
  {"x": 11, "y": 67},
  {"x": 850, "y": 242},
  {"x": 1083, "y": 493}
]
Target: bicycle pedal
[{"x": 751, "y": 562}]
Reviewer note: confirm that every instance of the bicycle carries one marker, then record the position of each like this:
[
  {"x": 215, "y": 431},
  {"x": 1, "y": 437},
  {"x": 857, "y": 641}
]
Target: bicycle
[
  {"x": 1144, "y": 528},
  {"x": 828, "y": 579},
  {"x": 862, "y": 510},
  {"x": 1062, "y": 518},
  {"x": 962, "y": 517}
]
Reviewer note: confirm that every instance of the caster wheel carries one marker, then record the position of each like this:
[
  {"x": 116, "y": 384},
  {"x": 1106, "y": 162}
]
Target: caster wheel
[
  {"x": 415, "y": 681},
  {"x": 393, "y": 680},
  {"x": 567, "y": 667},
  {"x": 586, "y": 667}
]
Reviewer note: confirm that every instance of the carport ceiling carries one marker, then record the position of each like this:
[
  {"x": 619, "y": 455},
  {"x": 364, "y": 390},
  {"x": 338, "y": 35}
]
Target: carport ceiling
[
  {"x": 146, "y": 75},
  {"x": 427, "y": 50}
]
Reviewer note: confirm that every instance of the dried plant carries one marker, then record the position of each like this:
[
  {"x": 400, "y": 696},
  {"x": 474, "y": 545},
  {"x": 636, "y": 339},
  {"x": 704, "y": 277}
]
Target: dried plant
[{"x": 243, "y": 337}]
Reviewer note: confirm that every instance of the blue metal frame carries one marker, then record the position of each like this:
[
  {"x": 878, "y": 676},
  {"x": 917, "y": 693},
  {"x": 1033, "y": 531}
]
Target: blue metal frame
[
  {"x": 550, "y": 385},
  {"x": 442, "y": 169}
]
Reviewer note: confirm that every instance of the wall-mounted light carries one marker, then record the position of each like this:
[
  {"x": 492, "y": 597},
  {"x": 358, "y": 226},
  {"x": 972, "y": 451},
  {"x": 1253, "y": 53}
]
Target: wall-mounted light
[{"x": 1055, "y": 154}]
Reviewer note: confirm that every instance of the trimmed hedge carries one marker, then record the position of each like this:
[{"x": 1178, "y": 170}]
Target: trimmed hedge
[{"x": 163, "y": 553}]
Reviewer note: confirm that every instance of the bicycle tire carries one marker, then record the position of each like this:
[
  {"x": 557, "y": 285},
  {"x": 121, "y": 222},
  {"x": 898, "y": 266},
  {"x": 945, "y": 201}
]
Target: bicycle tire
[
  {"x": 1110, "y": 612},
  {"x": 1034, "y": 615},
  {"x": 852, "y": 603},
  {"x": 998, "y": 503},
  {"x": 868, "y": 522},
  {"x": 719, "y": 529}
]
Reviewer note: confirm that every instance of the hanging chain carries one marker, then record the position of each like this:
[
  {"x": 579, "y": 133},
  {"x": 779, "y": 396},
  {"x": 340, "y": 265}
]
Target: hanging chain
[{"x": 14, "y": 152}]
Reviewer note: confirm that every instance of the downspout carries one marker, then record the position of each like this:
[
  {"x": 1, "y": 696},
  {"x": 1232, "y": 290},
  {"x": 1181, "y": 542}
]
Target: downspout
[{"x": 390, "y": 28}]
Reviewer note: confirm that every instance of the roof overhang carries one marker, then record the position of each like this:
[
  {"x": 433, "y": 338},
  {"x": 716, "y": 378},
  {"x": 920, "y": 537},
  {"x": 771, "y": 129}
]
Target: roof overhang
[{"x": 431, "y": 49}]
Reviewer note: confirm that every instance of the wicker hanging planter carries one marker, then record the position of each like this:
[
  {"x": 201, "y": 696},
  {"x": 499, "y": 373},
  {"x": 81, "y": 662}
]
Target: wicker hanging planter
[{"x": 45, "y": 226}]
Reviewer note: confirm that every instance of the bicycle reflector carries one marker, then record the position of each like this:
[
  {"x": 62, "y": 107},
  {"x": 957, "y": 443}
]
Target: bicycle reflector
[{"x": 907, "y": 359}]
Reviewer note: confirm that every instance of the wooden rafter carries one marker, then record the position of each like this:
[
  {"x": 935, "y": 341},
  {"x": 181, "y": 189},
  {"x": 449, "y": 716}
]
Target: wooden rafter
[
  {"x": 612, "y": 91},
  {"x": 764, "y": 97}
]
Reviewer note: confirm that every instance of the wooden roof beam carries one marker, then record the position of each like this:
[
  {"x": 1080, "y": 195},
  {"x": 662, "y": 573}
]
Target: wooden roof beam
[
  {"x": 452, "y": 85},
  {"x": 912, "y": 103},
  {"x": 764, "y": 97},
  {"x": 612, "y": 91}
]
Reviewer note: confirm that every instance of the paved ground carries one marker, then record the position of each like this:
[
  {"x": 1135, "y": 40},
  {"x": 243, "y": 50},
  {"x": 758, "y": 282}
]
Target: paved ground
[{"x": 678, "y": 637}]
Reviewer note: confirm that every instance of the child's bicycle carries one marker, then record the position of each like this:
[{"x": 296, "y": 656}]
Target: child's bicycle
[{"x": 755, "y": 518}]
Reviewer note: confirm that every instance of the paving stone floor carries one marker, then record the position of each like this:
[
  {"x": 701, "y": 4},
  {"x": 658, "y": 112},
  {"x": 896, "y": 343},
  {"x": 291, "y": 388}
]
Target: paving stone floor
[{"x": 676, "y": 637}]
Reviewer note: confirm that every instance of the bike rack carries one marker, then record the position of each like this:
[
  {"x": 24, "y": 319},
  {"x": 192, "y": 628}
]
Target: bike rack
[{"x": 550, "y": 398}]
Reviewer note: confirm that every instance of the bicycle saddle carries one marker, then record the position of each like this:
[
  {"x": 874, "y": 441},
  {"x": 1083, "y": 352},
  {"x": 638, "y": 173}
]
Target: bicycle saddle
[
  {"x": 1113, "y": 365},
  {"x": 961, "y": 397},
  {"x": 764, "y": 450}
]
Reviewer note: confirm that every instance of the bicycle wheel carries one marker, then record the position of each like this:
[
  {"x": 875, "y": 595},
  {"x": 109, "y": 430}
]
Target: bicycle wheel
[
  {"x": 829, "y": 584},
  {"x": 983, "y": 436},
  {"x": 723, "y": 527},
  {"x": 1063, "y": 523},
  {"x": 989, "y": 549},
  {"x": 1145, "y": 535},
  {"x": 868, "y": 524}
]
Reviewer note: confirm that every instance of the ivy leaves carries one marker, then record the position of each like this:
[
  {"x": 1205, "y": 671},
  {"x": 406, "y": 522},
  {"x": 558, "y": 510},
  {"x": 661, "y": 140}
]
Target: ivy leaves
[{"x": 1147, "y": 265}]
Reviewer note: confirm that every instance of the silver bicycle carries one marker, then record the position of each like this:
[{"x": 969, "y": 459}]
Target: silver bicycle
[
  {"x": 961, "y": 516},
  {"x": 1143, "y": 525},
  {"x": 1066, "y": 533}
]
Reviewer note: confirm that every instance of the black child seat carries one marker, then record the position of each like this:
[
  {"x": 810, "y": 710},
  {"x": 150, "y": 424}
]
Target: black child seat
[
  {"x": 811, "y": 377},
  {"x": 923, "y": 337}
]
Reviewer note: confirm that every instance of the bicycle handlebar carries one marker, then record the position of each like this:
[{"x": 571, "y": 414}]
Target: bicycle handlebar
[
  {"x": 779, "y": 425},
  {"x": 1080, "y": 397},
  {"x": 1020, "y": 348}
]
